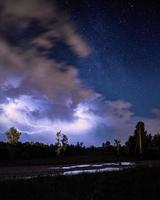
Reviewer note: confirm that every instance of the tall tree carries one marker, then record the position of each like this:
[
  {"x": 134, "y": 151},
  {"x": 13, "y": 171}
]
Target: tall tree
[
  {"x": 13, "y": 135},
  {"x": 58, "y": 142},
  {"x": 140, "y": 141},
  {"x": 61, "y": 142},
  {"x": 64, "y": 141},
  {"x": 140, "y": 134}
]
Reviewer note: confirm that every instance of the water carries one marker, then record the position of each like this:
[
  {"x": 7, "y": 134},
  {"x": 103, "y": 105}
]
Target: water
[
  {"x": 44, "y": 171},
  {"x": 92, "y": 168},
  {"x": 108, "y": 169},
  {"x": 93, "y": 165}
]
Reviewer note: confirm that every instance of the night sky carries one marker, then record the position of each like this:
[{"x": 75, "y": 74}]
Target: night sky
[{"x": 88, "y": 68}]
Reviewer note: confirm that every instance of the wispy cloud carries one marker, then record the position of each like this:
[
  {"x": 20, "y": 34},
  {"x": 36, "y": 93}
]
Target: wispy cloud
[{"x": 54, "y": 23}]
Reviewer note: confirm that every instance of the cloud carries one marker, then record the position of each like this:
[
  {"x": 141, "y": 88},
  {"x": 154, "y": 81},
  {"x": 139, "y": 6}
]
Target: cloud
[
  {"x": 26, "y": 76},
  {"x": 53, "y": 79},
  {"x": 41, "y": 77},
  {"x": 38, "y": 117},
  {"x": 27, "y": 8},
  {"x": 23, "y": 112},
  {"x": 119, "y": 109},
  {"x": 49, "y": 17},
  {"x": 40, "y": 94}
]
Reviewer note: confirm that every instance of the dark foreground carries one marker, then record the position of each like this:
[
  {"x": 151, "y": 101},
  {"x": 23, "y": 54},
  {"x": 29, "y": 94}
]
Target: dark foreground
[{"x": 140, "y": 183}]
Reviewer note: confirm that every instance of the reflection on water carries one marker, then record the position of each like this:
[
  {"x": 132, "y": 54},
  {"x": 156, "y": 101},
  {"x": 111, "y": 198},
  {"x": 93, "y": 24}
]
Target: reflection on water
[
  {"x": 68, "y": 170},
  {"x": 93, "y": 165},
  {"x": 108, "y": 169},
  {"x": 75, "y": 166},
  {"x": 91, "y": 168}
]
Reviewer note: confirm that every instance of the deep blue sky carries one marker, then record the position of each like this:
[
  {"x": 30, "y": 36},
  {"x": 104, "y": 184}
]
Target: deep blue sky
[{"x": 124, "y": 37}]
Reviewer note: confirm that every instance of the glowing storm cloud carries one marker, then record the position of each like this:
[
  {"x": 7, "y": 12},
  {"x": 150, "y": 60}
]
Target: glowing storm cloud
[{"x": 18, "y": 113}]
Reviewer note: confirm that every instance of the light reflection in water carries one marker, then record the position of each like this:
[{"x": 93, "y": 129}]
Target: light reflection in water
[
  {"x": 108, "y": 169},
  {"x": 76, "y": 169},
  {"x": 103, "y": 165}
]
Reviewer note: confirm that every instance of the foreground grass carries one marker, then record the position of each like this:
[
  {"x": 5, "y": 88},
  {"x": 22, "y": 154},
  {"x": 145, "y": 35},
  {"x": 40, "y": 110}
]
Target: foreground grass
[{"x": 142, "y": 183}]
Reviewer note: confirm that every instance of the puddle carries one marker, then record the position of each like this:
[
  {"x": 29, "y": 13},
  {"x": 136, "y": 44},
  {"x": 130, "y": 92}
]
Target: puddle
[
  {"x": 91, "y": 168},
  {"x": 70, "y": 170},
  {"x": 75, "y": 166},
  {"x": 108, "y": 169},
  {"x": 92, "y": 165}
]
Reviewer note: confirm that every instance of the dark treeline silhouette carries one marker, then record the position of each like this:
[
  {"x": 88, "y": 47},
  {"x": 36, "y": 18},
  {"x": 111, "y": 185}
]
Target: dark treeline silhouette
[
  {"x": 30, "y": 150},
  {"x": 139, "y": 145},
  {"x": 142, "y": 143}
]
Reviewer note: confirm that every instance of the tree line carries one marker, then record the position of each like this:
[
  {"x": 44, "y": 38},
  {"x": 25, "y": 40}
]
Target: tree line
[{"x": 140, "y": 144}]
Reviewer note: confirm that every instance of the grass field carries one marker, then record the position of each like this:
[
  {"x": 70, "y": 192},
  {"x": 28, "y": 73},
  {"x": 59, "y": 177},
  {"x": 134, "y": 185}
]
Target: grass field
[{"x": 133, "y": 184}]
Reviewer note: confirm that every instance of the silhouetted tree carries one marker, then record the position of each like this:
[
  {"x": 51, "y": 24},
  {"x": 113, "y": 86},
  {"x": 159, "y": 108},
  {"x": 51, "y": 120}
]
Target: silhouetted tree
[
  {"x": 140, "y": 141},
  {"x": 64, "y": 142},
  {"x": 140, "y": 135},
  {"x": 58, "y": 142},
  {"x": 106, "y": 144},
  {"x": 13, "y": 135},
  {"x": 79, "y": 145},
  {"x": 61, "y": 142},
  {"x": 117, "y": 144},
  {"x": 156, "y": 141}
]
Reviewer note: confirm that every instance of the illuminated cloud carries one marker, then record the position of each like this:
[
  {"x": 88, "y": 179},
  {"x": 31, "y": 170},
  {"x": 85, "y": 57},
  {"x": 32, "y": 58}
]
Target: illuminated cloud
[
  {"x": 20, "y": 112},
  {"x": 31, "y": 116}
]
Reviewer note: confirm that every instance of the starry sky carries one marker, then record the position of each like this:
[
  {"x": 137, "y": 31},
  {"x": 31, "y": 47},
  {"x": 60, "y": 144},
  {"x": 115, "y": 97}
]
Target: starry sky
[{"x": 88, "y": 68}]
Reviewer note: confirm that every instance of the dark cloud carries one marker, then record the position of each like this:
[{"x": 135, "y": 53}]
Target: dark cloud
[
  {"x": 55, "y": 23},
  {"x": 40, "y": 73}
]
